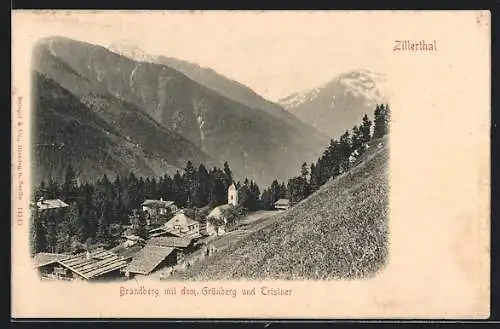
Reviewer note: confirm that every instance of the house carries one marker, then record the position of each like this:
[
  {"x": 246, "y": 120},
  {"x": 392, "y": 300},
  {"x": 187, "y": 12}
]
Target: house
[
  {"x": 152, "y": 257},
  {"x": 232, "y": 195},
  {"x": 45, "y": 263},
  {"x": 158, "y": 207},
  {"x": 88, "y": 265},
  {"x": 171, "y": 241},
  {"x": 282, "y": 204},
  {"x": 180, "y": 225},
  {"x": 160, "y": 252},
  {"x": 219, "y": 215},
  {"x": 44, "y": 204},
  {"x": 132, "y": 240}
]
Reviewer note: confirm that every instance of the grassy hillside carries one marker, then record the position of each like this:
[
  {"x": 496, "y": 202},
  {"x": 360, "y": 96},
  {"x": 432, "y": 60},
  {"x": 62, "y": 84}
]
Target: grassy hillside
[{"x": 339, "y": 232}]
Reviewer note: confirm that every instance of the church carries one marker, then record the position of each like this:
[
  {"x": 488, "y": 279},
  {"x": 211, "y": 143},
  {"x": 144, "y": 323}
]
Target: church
[
  {"x": 219, "y": 215},
  {"x": 232, "y": 195}
]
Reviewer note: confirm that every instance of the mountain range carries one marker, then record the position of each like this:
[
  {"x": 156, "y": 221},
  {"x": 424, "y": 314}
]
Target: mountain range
[
  {"x": 222, "y": 85},
  {"x": 340, "y": 104},
  {"x": 104, "y": 112}
]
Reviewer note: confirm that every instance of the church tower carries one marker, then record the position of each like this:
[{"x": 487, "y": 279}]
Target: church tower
[{"x": 232, "y": 195}]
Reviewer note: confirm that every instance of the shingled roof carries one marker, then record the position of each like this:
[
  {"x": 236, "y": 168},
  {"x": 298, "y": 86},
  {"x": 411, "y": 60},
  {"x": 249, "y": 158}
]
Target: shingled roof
[
  {"x": 170, "y": 241},
  {"x": 126, "y": 252},
  {"x": 46, "y": 258},
  {"x": 99, "y": 263},
  {"x": 157, "y": 203},
  {"x": 162, "y": 231},
  {"x": 146, "y": 260},
  {"x": 282, "y": 202},
  {"x": 43, "y": 204}
]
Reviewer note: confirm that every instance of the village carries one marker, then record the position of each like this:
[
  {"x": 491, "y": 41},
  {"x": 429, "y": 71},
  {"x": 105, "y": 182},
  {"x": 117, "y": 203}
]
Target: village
[{"x": 168, "y": 249}]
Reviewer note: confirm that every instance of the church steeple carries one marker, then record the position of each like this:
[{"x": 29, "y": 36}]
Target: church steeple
[{"x": 232, "y": 195}]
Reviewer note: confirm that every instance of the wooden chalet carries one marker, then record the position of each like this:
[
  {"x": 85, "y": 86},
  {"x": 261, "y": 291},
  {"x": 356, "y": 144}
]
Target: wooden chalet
[
  {"x": 99, "y": 263},
  {"x": 46, "y": 262},
  {"x": 158, "y": 207},
  {"x": 282, "y": 204},
  {"x": 160, "y": 252},
  {"x": 180, "y": 225},
  {"x": 44, "y": 204}
]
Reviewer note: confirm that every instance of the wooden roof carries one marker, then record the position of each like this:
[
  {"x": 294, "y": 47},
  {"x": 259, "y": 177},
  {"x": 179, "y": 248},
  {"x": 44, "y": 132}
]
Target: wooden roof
[
  {"x": 126, "y": 252},
  {"x": 101, "y": 262},
  {"x": 157, "y": 203},
  {"x": 180, "y": 219},
  {"x": 163, "y": 231},
  {"x": 220, "y": 211},
  {"x": 51, "y": 204},
  {"x": 170, "y": 241},
  {"x": 46, "y": 258},
  {"x": 146, "y": 260}
]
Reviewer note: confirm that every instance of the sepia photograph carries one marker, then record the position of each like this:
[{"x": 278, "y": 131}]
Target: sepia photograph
[
  {"x": 229, "y": 154},
  {"x": 154, "y": 166}
]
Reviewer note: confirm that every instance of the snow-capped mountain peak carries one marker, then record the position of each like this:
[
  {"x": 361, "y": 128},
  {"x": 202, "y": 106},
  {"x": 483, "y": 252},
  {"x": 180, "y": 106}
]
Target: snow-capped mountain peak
[{"x": 340, "y": 103}]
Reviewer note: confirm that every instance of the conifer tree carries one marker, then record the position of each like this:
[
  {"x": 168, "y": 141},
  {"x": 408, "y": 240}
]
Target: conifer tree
[
  {"x": 357, "y": 138},
  {"x": 38, "y": 233},
  {"x": 379, "y": 126},
  {"x": 366, "y": 129}
]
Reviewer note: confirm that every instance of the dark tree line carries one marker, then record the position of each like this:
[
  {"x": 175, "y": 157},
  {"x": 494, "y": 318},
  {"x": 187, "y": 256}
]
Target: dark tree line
[
  {"x": 98, "y": 211},
  {"x": 334, "y": 161}
]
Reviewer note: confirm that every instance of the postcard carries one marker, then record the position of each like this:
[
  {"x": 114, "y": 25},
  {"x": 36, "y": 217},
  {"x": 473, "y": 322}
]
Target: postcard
[{"x": 250, "y": 164}]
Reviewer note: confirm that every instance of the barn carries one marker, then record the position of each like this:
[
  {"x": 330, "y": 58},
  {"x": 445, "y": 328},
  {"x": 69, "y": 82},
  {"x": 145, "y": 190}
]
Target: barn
[
  {"x": 89, "y": 265},
  {"x": 46, "y": 262},
  {"x": 282, "y": 204}
]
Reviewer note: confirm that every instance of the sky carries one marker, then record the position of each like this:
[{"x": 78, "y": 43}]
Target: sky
[{"x": 274, "y": 53}]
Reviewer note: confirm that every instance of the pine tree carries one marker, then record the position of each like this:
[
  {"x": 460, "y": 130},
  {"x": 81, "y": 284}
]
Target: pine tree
[
  {"x": 380, "y": 123},
  {"x": 51, "y": 226},
  {"x": 314, "y": 178},
  {"x": 69, "y": 185},
  {"x": 228, "y": 173},
  {"x": 387, "y": 119},
  {"x": 38, "y": 234},
  {"x": 357, "y": 138},
  {"x": 304, "y": 170},
  {"x": 76, "y": 226},
  {"x": 366, "y": 129},
  {"x": 201, "y": 197},
  {"x": 179, "y": 190},
  {"x": 53, "y": 190},
  {"x": 138, "y": 222},
  {"x": 102, "y": 233},
  {"x": 266, "y": 200},
  {"x": 345, "y": 151},
  {"x": 41, "y": 191}
]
